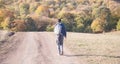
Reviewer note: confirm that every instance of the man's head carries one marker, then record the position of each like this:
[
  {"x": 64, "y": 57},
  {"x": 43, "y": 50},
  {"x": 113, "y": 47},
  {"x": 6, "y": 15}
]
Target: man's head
[{"x": 59, "y": 20}]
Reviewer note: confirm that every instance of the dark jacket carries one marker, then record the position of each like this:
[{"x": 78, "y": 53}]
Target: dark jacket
[{"x": 63, "y": 31}]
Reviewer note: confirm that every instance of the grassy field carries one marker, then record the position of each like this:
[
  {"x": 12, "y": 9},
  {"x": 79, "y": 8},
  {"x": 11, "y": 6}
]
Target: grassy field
[
  {"x": 95, "y": 48},
  {"x": 92, "y": 48}
]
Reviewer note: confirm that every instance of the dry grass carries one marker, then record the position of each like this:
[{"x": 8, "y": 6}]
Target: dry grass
[
  {"x": 95, "y": 48},
  {"x": 3, "y": 36}
]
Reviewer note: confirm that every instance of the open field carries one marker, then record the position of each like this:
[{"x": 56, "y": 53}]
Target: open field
[
  {"x": 95, "y": 48},
  {"x": 79, "y": 48}
]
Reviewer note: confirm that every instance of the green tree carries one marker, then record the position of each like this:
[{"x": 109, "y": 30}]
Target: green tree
[
  {"x": 103, "y": 13},
  {"x": 83, "y": 19}
]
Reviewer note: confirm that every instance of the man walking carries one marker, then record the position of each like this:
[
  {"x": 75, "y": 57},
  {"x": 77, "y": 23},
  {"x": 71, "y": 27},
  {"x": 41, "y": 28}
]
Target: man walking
[{"x": 60, "y": 31}]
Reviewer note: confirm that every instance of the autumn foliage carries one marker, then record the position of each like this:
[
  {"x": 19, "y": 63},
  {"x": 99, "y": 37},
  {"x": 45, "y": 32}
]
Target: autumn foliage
[
  {"x": 6, "y": 17},
  {"x": 77, "y": 15},
  {"x": 42, "y": 10}
]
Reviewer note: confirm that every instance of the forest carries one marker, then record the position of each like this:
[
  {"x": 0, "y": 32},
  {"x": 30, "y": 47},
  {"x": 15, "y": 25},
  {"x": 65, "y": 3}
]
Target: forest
[{"x": 87, "y": 16}]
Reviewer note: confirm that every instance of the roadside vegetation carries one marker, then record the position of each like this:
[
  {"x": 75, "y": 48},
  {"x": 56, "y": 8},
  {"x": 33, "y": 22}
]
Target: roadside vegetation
[{"x": 88, "y": 16}]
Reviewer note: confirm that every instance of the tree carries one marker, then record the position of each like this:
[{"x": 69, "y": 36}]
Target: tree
[
  {"x": 6, "y": 16},
  {"x": 98, "y": 25},
  {"x": 30, "y": 24},
  {"x": 118, "y": 25},
  {"x": 68, "y": 20},
  {"x": 42, "y": 10},
  {"x": 24, "y": 9},
  {"x": 103, "y": 13},
  {"x": 114, "y": 6}
]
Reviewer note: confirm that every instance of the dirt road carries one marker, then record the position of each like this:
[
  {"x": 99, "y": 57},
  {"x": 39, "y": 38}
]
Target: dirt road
[{"x": 35, "y": 48}]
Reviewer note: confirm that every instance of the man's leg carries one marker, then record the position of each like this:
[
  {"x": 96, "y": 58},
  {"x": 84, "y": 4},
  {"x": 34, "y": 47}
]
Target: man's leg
[
  {"x": 58, "y": 44},
  {"x": 61, "y": 44}
]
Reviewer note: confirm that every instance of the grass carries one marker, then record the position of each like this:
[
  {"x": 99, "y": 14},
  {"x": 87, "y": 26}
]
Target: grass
[{"x": 95, "y": 48}]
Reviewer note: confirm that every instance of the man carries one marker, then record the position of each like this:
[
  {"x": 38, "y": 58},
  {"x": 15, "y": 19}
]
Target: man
[{"x": 60, "y": 31}]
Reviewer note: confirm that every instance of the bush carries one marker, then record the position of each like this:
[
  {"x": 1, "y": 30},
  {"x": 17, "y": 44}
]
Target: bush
[
  {"x": 79, "y": 28},
  {"x": 33, "y": 7},
  {"x": 43, "y": 23},
  {"x": 23, "y": 25},
  {"x": 70, "y": 6},
  {"x": 102, "y": 12},
  {"x": 68, "y": 20},
  {"x": 18, "y": 25},
  {"x": 42, "y": 10},
  {"x": 83, "y": 18},
  {"x": 2, "y": 17},
  {"x": 49, "y": 28},
  {"x": 114, "y": 7},
  {"x": 111, "y": 24},
  {"x": 30, "y": 24},
  {"x": 24, "y": 9},
  {"x": 5, "y": 23},
  {"x": 118, "y": 25},
  {"x": 98, "y": 25},
  {"x": 6, "y": 17}
]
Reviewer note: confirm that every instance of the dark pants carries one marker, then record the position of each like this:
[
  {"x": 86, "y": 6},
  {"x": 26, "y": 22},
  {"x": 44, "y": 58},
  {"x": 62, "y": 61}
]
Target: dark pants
[{"x": 60, "y": 43}]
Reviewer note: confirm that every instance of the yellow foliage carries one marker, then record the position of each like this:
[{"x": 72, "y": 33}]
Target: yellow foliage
[
  {"x": 114, "y": 7},
  {"x": 80, "y": 0},
  {"x": 98, "y": 25},
  {"x": 42, "y": 10},
  {"x": 6, "y": 13},
  {"x": 5, "y": 23},
  {"x": 5, "y": 16},
  {"x": 2, "y": 13},
  {"x": 57, "y": 1},
  {"x": 2, "y": 17}
]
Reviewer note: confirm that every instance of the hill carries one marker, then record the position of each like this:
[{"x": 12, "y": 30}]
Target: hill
[{"x": 78, "y": 15}]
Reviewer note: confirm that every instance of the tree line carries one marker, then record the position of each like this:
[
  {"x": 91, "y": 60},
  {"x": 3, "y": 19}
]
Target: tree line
[{"x": 78, "y": 16}]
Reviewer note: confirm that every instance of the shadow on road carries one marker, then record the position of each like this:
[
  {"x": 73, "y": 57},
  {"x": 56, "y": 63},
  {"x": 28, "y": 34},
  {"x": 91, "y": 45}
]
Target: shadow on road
[{"x": 77, "y": 55}]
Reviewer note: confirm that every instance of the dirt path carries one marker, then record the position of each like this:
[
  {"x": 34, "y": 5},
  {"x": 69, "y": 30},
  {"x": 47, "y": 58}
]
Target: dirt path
[{"x": 37, "y": 48}]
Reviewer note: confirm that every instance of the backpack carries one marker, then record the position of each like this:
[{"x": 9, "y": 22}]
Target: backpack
[{"x": 58, "y": 28}]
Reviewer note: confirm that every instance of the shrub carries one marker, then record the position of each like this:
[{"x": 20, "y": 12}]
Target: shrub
[
  {"x": 7, "y": 1},
  {"x": 102, "y": 12},
  {"x": 83, "y": 1},
  {"x": 2, "y": 4},
  {"x": 43, "y": 23},
  {"x": 42, "y": 10},
  {"x": 33, "y": 7},
  {"x": 70, "y": 6},
  {"x": 83, "y": 18},
  {"x": 68, "y": 20},
  {"x": 49, "y": 28},
  {"x": 2, "y": 17},
  {"x": 98, "y": 25},
  {"x": 5, "y": 17},
  {"x": 18, "y": 25},
  {"x": 118, "y": 25},
  {"x": 114, "y": 7},
  {"x": 24, "y": 9},
  {"x": 79, "y": 28},
  {"x": 30, "y": 24},
  {"x": 111, "y": 24},
  {"x": 23, "y": 25},
  {"x": 88, "y": 29},
  {"x": 5, "y": 23}
]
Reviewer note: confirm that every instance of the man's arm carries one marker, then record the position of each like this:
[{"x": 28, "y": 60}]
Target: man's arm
[{"x": 64, "y": 31}]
